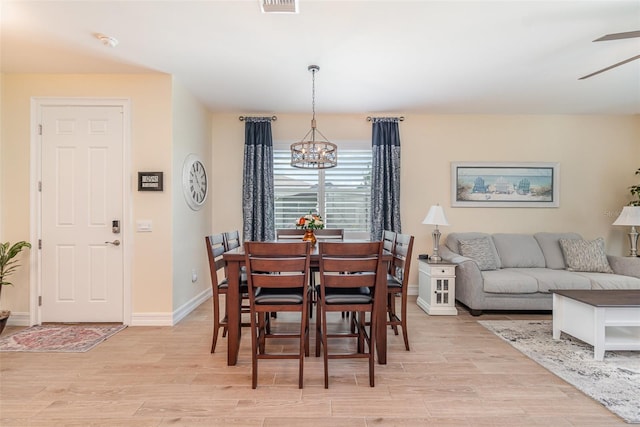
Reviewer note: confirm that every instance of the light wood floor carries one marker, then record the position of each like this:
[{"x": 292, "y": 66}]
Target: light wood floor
[{"x": 456, "y": 374}]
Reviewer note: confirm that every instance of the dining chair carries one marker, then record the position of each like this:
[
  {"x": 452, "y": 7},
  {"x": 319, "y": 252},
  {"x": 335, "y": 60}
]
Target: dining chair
[
  {"x": 398, "y": 283},
  {"x": 219, "y": 284},
  {"x": 277, "y": 275},
  {"x": 348, "y": 278}
]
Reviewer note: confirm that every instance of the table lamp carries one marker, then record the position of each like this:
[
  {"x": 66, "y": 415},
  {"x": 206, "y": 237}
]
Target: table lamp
[
  {"x": 630, "y": 215},
  {"x": 435, "y": 217}
]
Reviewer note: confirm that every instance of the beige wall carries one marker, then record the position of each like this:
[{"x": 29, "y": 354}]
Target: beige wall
[
  {"x": 151, "y": 150},
  {"x": 598, "y": 156},
  {"x": 191, "y": 134}
]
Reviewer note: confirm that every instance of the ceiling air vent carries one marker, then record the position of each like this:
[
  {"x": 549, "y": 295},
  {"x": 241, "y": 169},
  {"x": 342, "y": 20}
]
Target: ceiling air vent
[{"x": 279, "y": 6}]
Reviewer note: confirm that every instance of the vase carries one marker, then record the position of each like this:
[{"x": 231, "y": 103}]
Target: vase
[{"x": 309, "y": 237}]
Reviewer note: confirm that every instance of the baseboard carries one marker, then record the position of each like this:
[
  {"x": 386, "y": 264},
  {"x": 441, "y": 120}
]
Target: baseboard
[
  {"x": 191, "y": 305},
  {"x": 19, "y": 318},
  {"x": 170, "y": 319},
  {"x": 412, "y": 290},
  {"x": 152, "y": 319}
]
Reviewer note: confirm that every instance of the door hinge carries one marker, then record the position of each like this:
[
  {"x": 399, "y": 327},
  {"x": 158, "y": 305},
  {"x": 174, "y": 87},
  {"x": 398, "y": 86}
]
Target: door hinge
[
  {"x": 39, "y": 129},
  {"x": 40, "y": 186},
  {"x": 40, "y": 301},
  {"x": 39, "y": 243}
]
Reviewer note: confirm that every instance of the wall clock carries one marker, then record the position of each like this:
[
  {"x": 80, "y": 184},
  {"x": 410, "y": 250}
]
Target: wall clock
[{"x": 194, "y": 182}]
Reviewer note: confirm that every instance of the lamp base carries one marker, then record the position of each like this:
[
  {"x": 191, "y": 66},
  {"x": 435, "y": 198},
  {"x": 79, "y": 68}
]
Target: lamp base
[
  {"x": 633, "y": 241},
  {"x": 436, "y": 243}
]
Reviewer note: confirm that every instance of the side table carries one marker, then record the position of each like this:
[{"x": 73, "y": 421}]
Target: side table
[{"x": 437, "y": 288}]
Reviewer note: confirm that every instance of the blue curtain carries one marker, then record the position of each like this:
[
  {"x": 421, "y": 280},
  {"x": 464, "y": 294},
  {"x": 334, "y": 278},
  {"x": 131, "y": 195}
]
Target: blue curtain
[
  {"x": 257, "y": 186},
  {"x": 385, "y": 179}
]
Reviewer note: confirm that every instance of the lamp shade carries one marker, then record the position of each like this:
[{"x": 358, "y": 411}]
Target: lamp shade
[
  {"x": 436, "y": 216},
  {"x": 630, "y": 215}
]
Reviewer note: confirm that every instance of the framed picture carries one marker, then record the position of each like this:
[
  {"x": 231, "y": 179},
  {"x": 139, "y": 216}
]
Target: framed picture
[
  {"x": 150, "y": 181},
  {"x": 484, "y": 184}
]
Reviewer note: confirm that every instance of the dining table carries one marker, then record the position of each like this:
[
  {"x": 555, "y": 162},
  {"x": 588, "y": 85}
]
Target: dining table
[{"x": 235, "y": 259}]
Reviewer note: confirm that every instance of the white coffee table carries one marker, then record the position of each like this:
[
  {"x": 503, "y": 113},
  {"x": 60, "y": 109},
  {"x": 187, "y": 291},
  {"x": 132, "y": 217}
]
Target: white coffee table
[{"x": 606, "y": 319}]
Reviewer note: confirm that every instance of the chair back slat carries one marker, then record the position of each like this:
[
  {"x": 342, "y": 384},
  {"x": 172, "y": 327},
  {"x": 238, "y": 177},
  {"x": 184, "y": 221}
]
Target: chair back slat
[
  {"x": 232, "y": 240},
  {"x": 389, "y": 240},
  {"x": 277, "y": 265},
  {"x": 289, "y": 233},
  {"x": 349, "y": 265},
  {"x": 329, "y": 234}
]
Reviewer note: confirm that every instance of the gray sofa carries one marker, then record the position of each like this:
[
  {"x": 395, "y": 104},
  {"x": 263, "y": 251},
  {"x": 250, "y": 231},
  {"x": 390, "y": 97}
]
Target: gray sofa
[{"x": 518, "y": 271}]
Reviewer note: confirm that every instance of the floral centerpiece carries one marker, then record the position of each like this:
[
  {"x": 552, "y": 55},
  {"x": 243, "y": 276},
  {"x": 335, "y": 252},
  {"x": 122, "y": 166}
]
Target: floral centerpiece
[{"x": 310, "y": 221}]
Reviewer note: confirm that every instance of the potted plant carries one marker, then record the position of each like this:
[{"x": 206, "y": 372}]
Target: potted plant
[{"x": 8, "y": 264}]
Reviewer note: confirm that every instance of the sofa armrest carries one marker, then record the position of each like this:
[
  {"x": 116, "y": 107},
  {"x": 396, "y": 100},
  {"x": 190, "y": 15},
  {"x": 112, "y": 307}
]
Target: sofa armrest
[
  {"x": 469, "y": 280},
  {"x": 626, "y": 266}
]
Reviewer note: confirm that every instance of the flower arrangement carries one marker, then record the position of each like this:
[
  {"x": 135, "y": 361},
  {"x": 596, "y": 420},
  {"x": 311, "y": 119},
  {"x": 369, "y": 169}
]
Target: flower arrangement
[{"x": 310, "y": 221}]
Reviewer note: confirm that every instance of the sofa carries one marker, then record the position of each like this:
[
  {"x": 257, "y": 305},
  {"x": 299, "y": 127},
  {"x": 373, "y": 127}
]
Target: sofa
[{"x": 506, "y": 271}]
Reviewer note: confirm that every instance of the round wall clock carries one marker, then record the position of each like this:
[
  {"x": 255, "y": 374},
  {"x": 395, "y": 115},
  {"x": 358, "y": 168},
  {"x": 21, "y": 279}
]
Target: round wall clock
[{"x": 194, "y": 182}]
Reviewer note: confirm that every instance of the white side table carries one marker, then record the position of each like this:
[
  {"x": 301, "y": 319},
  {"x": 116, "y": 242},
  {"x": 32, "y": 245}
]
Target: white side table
[{"x": 437, "y": 288}]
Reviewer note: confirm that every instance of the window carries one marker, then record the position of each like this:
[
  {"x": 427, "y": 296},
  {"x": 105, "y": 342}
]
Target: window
[{"x": 342, "y": 195}]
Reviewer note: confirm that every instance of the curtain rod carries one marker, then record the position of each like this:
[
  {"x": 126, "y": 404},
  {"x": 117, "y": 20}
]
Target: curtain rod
[
  {"x": 242, "y": 118},
  {"x": 369, "y": 118}
]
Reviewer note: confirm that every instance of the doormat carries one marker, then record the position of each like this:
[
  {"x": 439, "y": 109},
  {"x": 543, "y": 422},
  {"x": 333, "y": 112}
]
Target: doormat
[
  {"x": 58, "y": 338},
  {"x": 614, "y": 382}
]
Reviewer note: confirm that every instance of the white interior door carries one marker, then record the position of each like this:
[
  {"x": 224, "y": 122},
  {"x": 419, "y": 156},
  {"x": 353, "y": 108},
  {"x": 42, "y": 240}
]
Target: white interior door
[{"x": 82, "y": 185}]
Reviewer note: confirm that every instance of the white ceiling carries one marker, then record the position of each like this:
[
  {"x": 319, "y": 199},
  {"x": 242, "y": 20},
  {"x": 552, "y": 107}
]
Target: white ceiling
[{"x": 420, "y": 56}]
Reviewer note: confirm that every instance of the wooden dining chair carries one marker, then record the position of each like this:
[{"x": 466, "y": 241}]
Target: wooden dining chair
[
  {"x": 398, "y": 283},
  {"x": 219, "y": 284},
  {"x": 277, "y": 274},
  {"x": 348, "y": 278}
]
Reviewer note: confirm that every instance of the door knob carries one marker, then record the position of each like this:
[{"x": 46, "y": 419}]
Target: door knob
[{"x": 114, "y": 243}]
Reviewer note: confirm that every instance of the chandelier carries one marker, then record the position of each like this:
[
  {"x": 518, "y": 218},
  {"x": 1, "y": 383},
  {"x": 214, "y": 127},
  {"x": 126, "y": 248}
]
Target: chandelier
[{"x": 309, "y": 153}]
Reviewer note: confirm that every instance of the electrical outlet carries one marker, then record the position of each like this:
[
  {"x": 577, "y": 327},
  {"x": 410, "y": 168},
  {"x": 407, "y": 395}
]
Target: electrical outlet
[{"x": 194, "y": 275}]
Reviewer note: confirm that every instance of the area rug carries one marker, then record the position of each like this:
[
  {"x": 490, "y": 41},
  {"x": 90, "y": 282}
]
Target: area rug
[
  {"x": 58, "y": 338},
  {"x": 614, "y": 382}
]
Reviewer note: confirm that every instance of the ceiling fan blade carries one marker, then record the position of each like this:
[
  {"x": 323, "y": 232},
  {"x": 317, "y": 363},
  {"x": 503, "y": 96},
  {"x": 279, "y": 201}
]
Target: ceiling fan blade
[
  {"x": 633, "y": 58},
  {"x": 618, "y": 36}
]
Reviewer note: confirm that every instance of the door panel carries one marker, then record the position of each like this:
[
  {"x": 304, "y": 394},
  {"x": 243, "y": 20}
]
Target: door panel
[{"x": 82, "y": 177}]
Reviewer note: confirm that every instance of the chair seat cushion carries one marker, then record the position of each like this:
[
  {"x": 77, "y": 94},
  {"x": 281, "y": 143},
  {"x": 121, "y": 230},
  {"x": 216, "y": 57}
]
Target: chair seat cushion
[
  {"x": 348, "y": 296},
  {"x": 224, "y": 285},
  {"x": 278, "y": 296},
  {"x": 393, "y": 282}
]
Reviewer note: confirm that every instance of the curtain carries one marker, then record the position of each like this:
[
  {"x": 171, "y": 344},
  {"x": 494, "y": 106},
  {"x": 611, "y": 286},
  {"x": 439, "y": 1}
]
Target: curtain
[
  {"x": 385, "y": 179},
  {"x": 257, "y": 185}
]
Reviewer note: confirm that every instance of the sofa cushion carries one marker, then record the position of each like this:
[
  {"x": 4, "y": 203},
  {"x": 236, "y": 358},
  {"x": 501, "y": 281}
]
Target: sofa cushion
[
  {"x": 453, "y": 242},
  {"x": 611, "y": 281},
  {"x": 509, "y": 281},
  {"x": 518, "y": 250},
  {"x": 480, "y": 250},
  {"x": 550, "y": 245},
  {"x": 585, "y": 255},
  {"x": 549, "y": 279}
]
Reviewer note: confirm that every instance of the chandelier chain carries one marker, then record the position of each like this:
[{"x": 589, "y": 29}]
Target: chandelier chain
[{"x": 313, "y": 94}]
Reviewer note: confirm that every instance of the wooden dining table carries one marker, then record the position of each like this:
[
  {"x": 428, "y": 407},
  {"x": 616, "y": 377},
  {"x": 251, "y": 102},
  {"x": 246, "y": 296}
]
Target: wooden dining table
[{"x": 235, "y": 260}]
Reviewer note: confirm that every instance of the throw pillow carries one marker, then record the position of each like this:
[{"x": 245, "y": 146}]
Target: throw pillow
[
  {"x": 584, "y": 255},
  {"x": 480, "y": 251}
]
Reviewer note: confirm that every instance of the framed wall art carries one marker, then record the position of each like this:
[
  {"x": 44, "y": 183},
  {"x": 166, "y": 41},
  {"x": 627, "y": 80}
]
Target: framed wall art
[
  {"x": 150, "y": 181},
  {"x": 505, "y": 184}
]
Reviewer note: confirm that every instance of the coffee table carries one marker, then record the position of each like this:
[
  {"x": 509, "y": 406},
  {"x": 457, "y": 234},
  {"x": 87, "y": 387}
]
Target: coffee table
[{"x": 606, "y": 319}]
